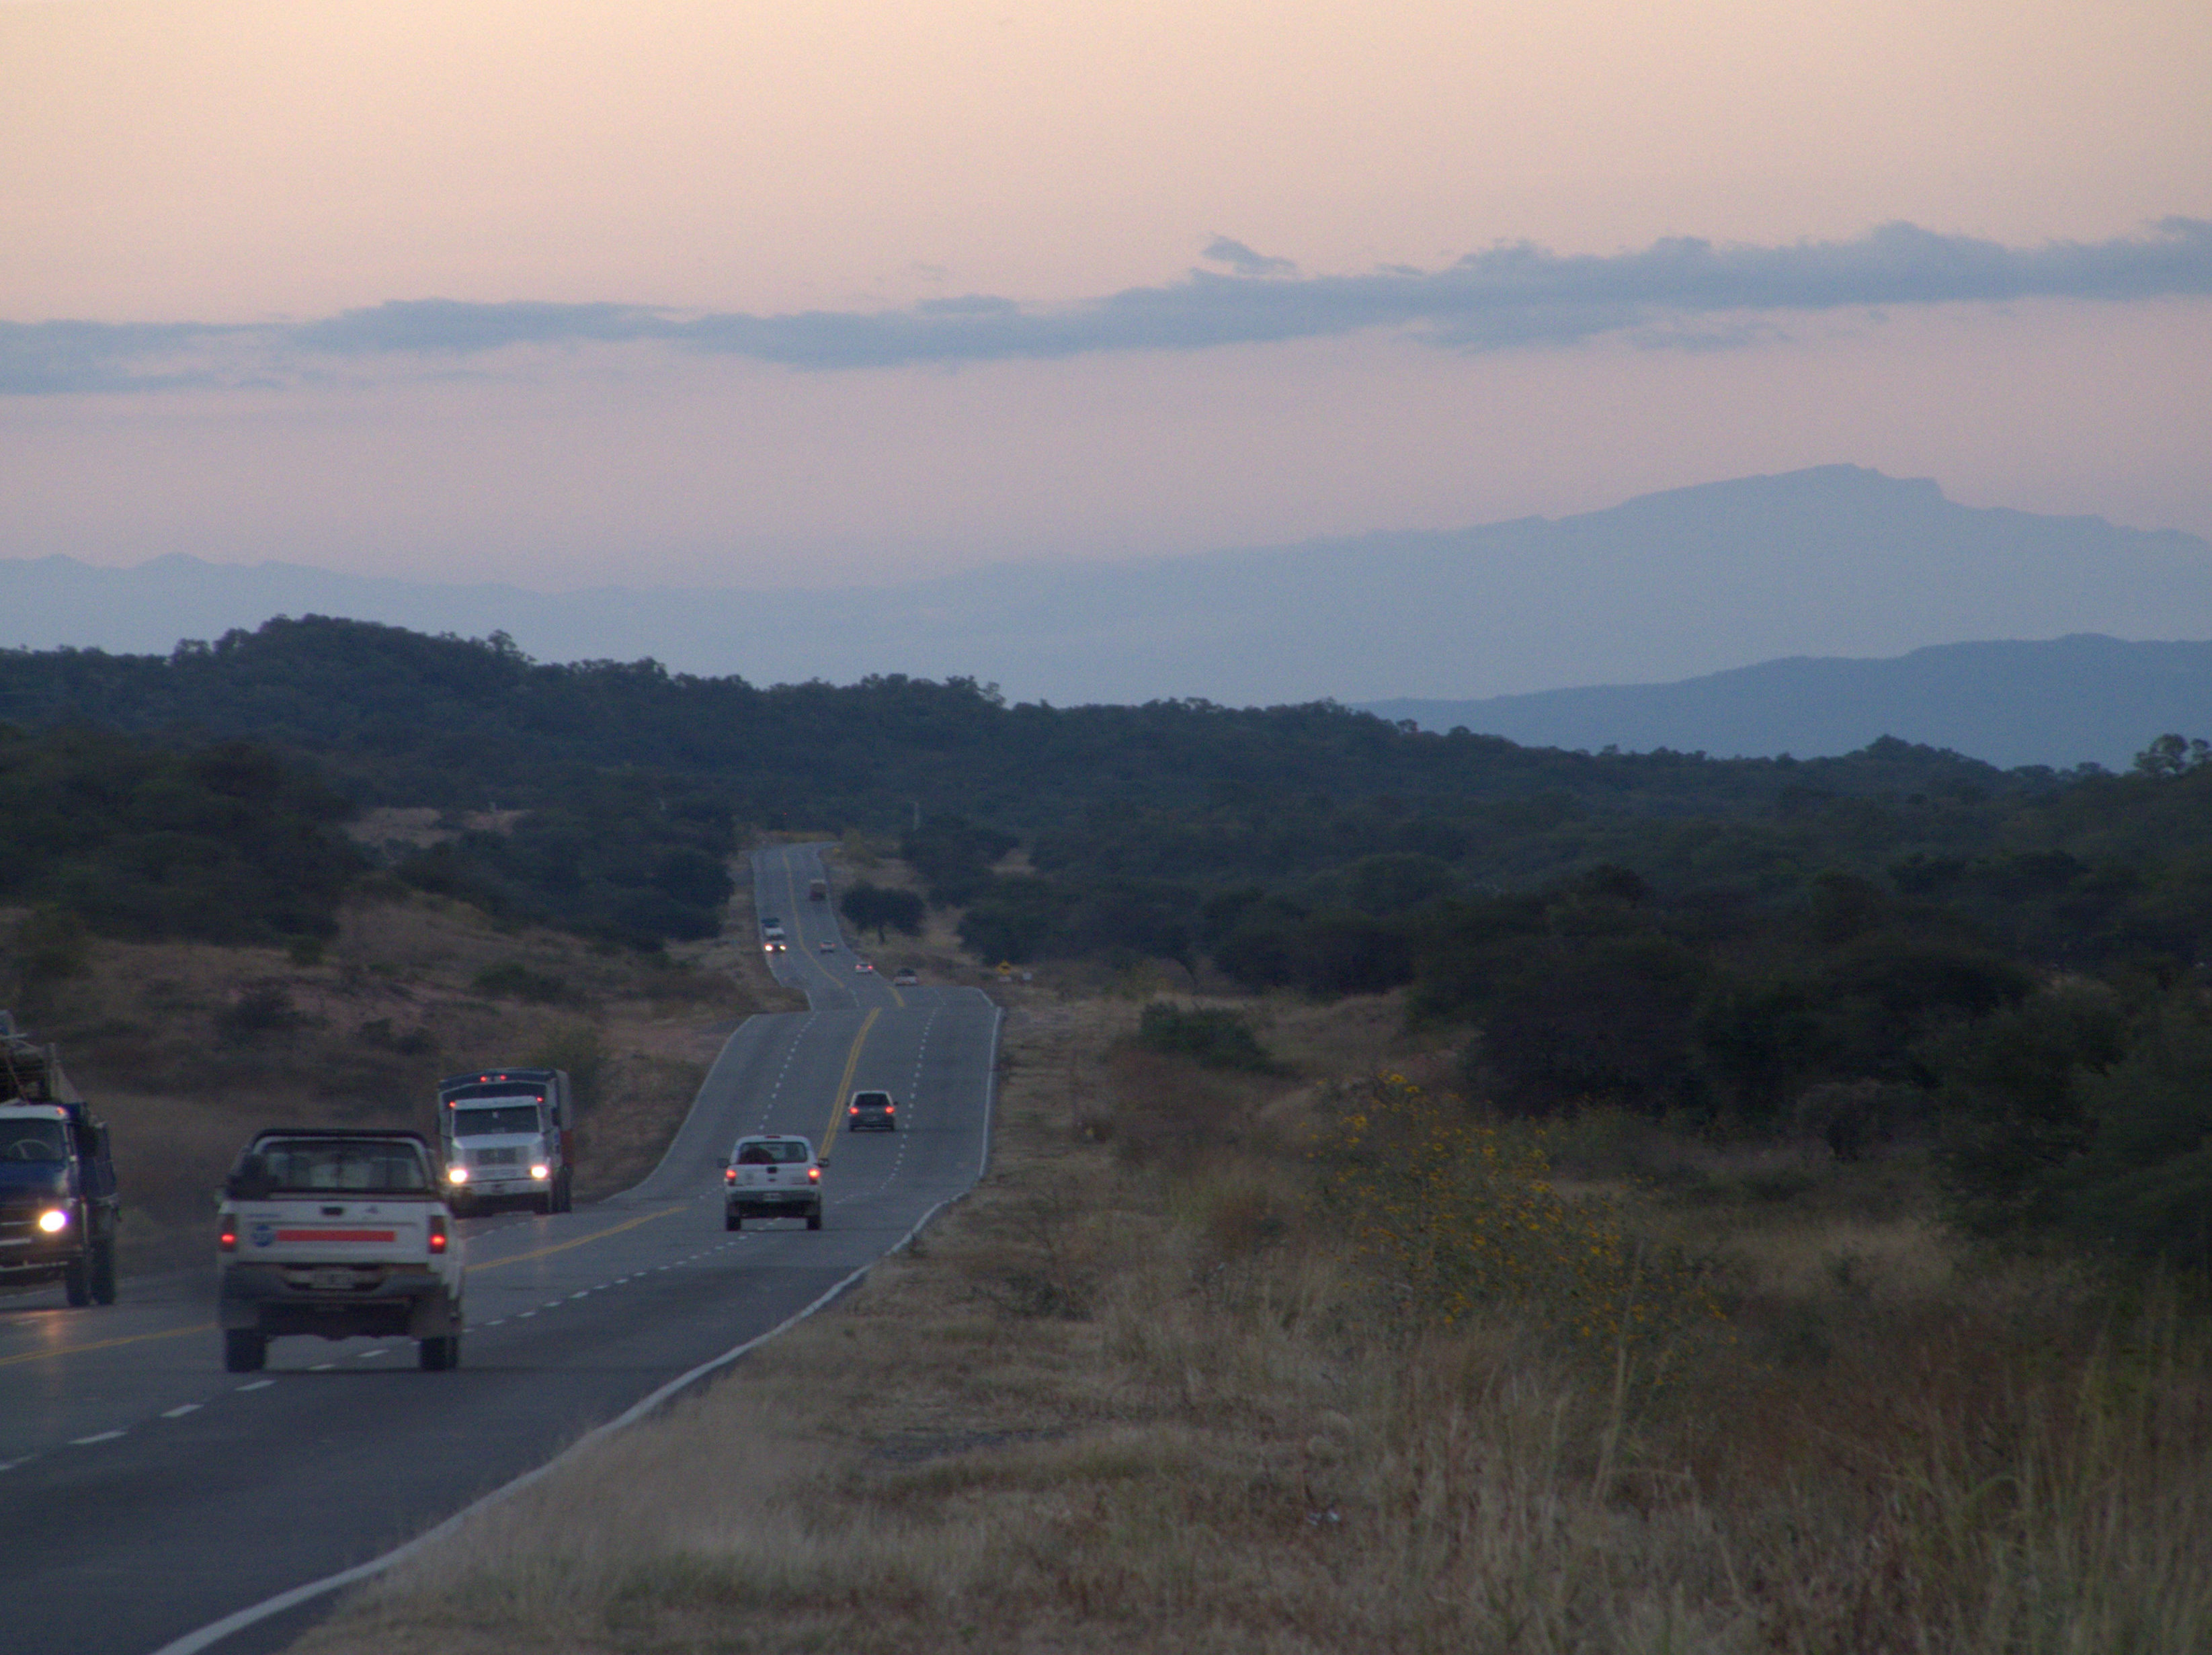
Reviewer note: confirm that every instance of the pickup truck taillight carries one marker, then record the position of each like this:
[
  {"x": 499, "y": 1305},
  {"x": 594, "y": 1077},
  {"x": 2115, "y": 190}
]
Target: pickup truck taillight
[
  {"x": 729, "y": 1174},
  {"x": 438, "y": 1238},
  {"x": 813, "y": 1174},
  {"x": 227, "y": 1240}
]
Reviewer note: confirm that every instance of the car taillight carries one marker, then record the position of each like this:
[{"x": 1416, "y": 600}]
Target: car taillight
[
  {"x": 438, "y": 1238},
  {"x": 814, "y": 1173},
  {"x": 227, "y": 1241}
]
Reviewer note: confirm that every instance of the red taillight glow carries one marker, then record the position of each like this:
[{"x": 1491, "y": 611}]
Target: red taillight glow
[
  {"x": 729, "y": 1174},
  {"x": 228, "y": 1241},
  {"x": 813, "y": 1174},
  {"x": 890, "y": 1109},
  {"x": 856, "y": 1109},
  {"x": 438, "y": 1238}
]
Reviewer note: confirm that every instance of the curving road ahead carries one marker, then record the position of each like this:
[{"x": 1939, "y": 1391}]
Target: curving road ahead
[{"x": 146, "y": 1496}]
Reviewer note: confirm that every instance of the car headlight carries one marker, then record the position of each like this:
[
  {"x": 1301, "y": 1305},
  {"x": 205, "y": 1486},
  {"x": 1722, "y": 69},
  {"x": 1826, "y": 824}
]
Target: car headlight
[
  {"x": 54, "y": 1220},
  {"x": 456, "y": 1175},
  {"x": 541, "y": 1173}
]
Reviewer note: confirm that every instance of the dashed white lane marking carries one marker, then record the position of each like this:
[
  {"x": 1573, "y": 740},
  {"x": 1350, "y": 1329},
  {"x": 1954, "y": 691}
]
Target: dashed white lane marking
[
  {"x": 365, "y": 1355},
  {"x": 322, "y": 1367},
  {"x": 11, "y": 1464},
  {"x": 180, "y": 1410},
  {"x": 258, "y": 1385},
  {"x": 97, "y": 1436},
  {"x": 526, "y": 1315}
]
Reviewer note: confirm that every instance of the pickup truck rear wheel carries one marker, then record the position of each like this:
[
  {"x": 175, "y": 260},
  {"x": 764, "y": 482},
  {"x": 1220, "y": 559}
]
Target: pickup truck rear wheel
[
  {"x": 103, "y": 1272},
  {"x": 77, "y": 1281},
  {"x": 734, "y": 1221},
  {"x": 438, "y": 1356},
  {"x": 244, "y": 1350},
  {"x": 814, "y": 1219}
]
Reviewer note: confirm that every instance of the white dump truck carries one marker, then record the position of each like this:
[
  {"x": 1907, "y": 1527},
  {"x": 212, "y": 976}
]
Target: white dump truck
[
  {"x": 341, "y": 1235},
  {"x": 508, "y": 1136}
]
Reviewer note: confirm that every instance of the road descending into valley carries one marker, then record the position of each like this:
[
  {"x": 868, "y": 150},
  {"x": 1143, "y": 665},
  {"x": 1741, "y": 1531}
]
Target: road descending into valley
[{"x": 147, "y": 1496}]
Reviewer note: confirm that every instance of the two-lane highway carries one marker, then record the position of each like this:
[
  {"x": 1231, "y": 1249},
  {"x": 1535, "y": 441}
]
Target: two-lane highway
[{"x": 145, "y": 1493}]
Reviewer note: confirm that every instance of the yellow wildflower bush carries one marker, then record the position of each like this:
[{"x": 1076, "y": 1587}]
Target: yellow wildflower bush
[{"x": 1456, "y": 1216}]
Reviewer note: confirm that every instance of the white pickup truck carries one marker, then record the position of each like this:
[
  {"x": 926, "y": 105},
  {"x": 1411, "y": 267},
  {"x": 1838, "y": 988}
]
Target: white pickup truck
[
  {"x": 771, "y": 1176},
  {"x": 340, "y": 1234}
]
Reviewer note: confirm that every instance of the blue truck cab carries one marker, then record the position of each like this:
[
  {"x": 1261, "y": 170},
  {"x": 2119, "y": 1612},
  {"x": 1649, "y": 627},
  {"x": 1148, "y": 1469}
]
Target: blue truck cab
[{"x": 59, "y": 1210}]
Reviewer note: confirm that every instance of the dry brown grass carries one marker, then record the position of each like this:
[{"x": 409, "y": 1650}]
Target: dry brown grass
[
  {"x": 186, "y": 1049},
  {"x": 1134, "y": 1393}
]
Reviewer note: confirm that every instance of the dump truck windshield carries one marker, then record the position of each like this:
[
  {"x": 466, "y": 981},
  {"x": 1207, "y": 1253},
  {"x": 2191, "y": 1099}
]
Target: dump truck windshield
[
  {"x": 33, "y": 1140},
  {"x": 481, "y": 1122}
]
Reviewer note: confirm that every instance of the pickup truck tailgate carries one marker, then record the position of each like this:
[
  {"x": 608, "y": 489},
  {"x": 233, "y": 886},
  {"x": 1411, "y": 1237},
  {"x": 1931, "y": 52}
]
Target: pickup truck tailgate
[{"x": 287, "y": 1232}]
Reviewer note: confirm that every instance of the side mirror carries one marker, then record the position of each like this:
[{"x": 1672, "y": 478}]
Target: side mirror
[{"x": 250, "y": 1182}]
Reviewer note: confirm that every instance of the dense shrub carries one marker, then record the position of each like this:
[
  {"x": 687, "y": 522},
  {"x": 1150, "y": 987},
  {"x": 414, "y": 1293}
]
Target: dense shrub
[{"x": 1214, "y": 1038}]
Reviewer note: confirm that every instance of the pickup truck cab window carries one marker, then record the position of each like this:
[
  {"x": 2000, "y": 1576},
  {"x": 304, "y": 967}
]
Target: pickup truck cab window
[{"x": 325, "y": 1168}]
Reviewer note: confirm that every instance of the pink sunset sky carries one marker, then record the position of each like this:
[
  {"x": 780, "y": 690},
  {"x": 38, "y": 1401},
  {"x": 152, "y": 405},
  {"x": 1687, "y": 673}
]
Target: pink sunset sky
[{"x": 753, "y": 295}]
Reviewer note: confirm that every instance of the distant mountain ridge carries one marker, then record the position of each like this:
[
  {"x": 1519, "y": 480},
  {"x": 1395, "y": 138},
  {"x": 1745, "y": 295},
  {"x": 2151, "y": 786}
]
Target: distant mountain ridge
[
  {"x": 2083, "y": 698},
  {"x": 1832, "y": 561}
]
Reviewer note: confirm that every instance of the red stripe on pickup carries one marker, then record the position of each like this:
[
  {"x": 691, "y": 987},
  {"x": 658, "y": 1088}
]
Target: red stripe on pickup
[{"x": 337, "y": 1235}]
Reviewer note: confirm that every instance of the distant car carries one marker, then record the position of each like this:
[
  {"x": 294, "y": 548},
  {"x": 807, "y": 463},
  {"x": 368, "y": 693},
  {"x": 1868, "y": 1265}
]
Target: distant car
[
  {"x": 772, "y": 1177},
  {"x": 906, "y": 978},
  {"x": 828, "y": 945},
  {"x": 862, "y": 965},
  {"x": 872, "y": 1112}
]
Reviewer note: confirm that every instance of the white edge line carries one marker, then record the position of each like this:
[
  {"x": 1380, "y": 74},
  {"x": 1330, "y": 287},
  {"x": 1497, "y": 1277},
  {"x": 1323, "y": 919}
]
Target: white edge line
[{"x": 216, "y": 1632}]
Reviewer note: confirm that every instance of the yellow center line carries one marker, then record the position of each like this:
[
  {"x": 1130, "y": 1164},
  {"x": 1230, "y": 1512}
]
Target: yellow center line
[
  {"x": 563, "y": 1246},
  {"x": 108, "y": 1345},
  {"x": 837, "y": 1103}
]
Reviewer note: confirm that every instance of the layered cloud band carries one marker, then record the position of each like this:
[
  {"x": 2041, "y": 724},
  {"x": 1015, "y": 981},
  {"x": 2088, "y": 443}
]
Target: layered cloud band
[{"x": 1509, "y": 296}]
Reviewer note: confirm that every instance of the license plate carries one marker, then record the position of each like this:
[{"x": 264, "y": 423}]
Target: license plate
[{"x": 332, "y": 1281}]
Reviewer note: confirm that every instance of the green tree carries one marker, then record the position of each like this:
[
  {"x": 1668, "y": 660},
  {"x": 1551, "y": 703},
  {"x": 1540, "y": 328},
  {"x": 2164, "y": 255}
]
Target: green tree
[{"x": 878, "y": 908}]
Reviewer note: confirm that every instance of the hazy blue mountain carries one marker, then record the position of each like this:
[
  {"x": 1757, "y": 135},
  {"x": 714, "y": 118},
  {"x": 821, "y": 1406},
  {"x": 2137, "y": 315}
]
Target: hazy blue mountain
[
  {"x": 1835, "y": 561},
  {"x": 2059, "y": 703}
]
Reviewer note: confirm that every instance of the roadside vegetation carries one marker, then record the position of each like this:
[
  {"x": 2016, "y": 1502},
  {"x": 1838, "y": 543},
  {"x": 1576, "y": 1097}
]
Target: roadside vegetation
[
  {"x": 1189, "y": 1371},
  {"x": 186, "y": 1047}
]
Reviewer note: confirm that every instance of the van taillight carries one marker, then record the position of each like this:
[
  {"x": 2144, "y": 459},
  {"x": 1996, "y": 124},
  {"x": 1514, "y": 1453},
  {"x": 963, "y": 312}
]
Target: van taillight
[
  {"x": 228, "y": 1241},
  {"x": 437, "y": 1233}
]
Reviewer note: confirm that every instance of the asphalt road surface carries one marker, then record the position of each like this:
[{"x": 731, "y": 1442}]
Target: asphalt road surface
[{"x": 145, "y": 1494}]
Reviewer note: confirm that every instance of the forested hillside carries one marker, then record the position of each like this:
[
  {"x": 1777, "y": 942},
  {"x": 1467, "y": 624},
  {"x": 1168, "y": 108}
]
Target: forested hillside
[{"x": 1896, "y": 944}]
